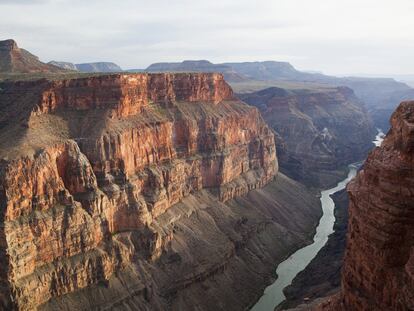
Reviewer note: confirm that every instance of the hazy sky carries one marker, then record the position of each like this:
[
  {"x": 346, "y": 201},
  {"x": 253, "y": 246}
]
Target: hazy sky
[{"x": 333, "y": 36}]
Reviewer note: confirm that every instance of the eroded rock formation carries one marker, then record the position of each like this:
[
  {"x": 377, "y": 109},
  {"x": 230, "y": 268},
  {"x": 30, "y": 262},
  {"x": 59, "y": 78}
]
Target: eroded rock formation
[
  {"x": 378, "y": 267},
  {"x": 319, "y": 130},
  {"x": 96, "y": 162}
]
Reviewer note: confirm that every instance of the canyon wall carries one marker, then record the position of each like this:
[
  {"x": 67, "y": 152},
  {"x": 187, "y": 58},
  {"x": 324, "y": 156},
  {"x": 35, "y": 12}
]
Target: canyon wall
[
  {"x": 318, "y": 131},
  {"x": 378, "y": 266},
  {"x": 90, "y": 166}
]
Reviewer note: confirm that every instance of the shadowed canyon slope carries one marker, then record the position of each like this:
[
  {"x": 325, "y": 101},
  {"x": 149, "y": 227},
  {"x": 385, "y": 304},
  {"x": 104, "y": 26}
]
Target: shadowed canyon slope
[
  {"x": 123, "y": 192},
  {"x": 379, "y": 262},
  {"x": 319, "y": 131}
]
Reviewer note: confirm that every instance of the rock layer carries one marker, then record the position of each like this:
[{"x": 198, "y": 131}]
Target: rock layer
[
  {"x": 319, "y": 130},
  {"x": 378, "y": 267},
  {"x": 106, "y": 156}
]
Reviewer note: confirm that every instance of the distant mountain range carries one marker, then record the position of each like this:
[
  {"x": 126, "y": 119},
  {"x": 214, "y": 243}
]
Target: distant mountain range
[
  {"x": 233, "y": 72},
  {"x": 88, "y": 67},
  {"x": 199, "y": 66}
]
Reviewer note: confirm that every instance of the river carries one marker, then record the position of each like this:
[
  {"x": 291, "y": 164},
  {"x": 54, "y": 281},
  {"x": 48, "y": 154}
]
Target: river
[{"x": 288, "y": 269}]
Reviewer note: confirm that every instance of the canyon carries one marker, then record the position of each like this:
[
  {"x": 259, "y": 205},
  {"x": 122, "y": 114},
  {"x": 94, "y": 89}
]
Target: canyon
[
  {"x": 377, "y": 272},
  {"x": 167, "y": 191},
  {"x": 141, "y": 190},
  {"x": 376, "y": 267},
  {"x": 322, "y": 277}
]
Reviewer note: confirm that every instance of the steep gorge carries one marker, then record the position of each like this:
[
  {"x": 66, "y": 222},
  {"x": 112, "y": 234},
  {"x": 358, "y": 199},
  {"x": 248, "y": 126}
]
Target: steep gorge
[{"x": 378, "y": 267}]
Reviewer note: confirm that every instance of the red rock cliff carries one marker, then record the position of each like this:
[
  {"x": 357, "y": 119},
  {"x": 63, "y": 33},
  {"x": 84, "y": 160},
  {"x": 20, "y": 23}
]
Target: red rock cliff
[
  {"x": 378, "y": 271},
  {"x": 96, "y": 156},
  {"x": 126, "y": 94}
]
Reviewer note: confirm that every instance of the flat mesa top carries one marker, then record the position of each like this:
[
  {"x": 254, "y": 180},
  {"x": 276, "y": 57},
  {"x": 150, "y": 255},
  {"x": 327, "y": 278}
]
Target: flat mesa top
[{"x": 80, "y": 75}]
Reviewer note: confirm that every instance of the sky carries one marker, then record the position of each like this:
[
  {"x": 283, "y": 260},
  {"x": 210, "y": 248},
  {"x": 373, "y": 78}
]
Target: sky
[{"x": 332, "y": 36}]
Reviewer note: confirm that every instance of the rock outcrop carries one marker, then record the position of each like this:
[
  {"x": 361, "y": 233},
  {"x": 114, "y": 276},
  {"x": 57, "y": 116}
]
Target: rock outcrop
[
  {"x": 16, "y": 60},
  {"x": 319, "y": 130},
  {"x": 379, "y": 261},
  {"x": 90, "y": 166}
]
